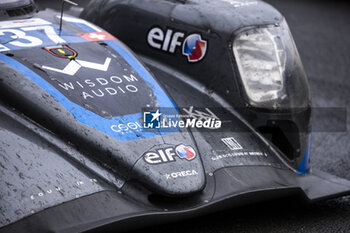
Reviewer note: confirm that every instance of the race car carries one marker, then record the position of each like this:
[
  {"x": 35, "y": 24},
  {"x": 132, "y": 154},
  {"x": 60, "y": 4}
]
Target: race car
[{"x": 213, "y": 111}]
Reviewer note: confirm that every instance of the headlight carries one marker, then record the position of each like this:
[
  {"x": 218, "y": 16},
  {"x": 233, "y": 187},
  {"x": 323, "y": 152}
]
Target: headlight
[{"x": 270, "y": 67}]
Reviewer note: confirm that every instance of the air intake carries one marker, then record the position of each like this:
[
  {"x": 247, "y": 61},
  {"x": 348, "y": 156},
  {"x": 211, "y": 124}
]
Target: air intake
[{"x": 20, "y": 11}]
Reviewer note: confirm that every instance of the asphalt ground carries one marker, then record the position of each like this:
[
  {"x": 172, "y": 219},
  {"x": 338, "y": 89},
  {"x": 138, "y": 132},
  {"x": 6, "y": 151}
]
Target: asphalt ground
[{"x": 321, "y": 30}]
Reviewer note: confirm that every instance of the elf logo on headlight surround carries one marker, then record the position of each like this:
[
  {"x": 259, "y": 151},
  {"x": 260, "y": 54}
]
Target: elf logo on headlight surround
[
  {"x": 169, "y": 154},
  {"x": 193, "y": 46}
]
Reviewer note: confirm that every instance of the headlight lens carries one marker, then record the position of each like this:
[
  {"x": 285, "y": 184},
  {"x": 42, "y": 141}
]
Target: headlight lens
[{"x": 266, "y": 59}]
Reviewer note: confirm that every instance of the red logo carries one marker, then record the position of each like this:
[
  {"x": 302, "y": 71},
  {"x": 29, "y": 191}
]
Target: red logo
[
  {"x": 185, "y": 152},
  {"x": 97, "y": 36},
  {"x": 194, "y": 48},
  {"x": 62, "y": 51}
]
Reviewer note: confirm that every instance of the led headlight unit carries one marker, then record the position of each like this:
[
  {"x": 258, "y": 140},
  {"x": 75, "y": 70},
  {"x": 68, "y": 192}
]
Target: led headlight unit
[{"x": 264, "y": 57}]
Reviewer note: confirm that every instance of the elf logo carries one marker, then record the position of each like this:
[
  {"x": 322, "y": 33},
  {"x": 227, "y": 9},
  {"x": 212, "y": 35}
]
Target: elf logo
[
  {"x": 169, "y": 154},
  {"x": 193, "y": 46}
]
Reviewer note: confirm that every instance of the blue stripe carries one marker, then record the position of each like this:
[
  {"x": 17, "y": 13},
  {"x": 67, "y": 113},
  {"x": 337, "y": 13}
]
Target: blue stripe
[
  {"x": 161, "y": 96},
  {"x": 136, "y": 65},
  {"x": 89, "y": 118},
  {"x": 304, "y": 166},
  {"x": 83, "y": 26}
]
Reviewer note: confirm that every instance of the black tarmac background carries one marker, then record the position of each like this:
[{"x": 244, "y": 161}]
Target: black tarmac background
[{"x": 321, "y": 30}]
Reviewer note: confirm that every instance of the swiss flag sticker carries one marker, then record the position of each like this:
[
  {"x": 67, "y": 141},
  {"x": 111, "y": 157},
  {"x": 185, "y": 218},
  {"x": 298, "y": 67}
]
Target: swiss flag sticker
[{"x": 97, "y": 36}]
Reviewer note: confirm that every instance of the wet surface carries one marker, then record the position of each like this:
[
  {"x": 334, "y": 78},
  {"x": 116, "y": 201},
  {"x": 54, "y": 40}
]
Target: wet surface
[{"x": 321, "y": 31}]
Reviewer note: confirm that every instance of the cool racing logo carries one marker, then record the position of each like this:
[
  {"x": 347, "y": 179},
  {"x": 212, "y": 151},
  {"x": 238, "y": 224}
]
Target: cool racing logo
[
  {"x": 193, "y": 46},
  {"x": 168, "y": 154}
]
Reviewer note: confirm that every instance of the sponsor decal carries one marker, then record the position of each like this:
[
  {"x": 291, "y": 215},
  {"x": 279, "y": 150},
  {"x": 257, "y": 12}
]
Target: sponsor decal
[
  {"x": 59, "y": 190},
  {"x": 111, "y": 86},
  {"x": 73, "y": 66},
  {"x": 97, "y": 86},
  {"x": 41, "y": 35},
  {"x": 92, "y": 89},
  {"x": 62, "y": 51},
  {"x": 185, "y": 173},
  {"x": 193, "y": 46},
  {"x": 232, "y": 143},
  {"x": 186, "y": 152},
  {"x": 36, "y": 32},
  {"x": 97, "y": 36},
  {"x": 169, "y": 154},
  {"x": 239, "y": 154},
  {"x": 28, "y": 37},
  {"x": 130, "y": 127}
]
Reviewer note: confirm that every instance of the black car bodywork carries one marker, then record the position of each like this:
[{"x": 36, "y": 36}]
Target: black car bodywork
[{"x": 73, "y": 154}]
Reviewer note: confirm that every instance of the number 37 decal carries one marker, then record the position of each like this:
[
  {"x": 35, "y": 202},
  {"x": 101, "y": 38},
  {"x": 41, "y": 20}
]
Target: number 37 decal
[
  {"x": 34, "y": 36},
  {"x": 19, "y": 38}
]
